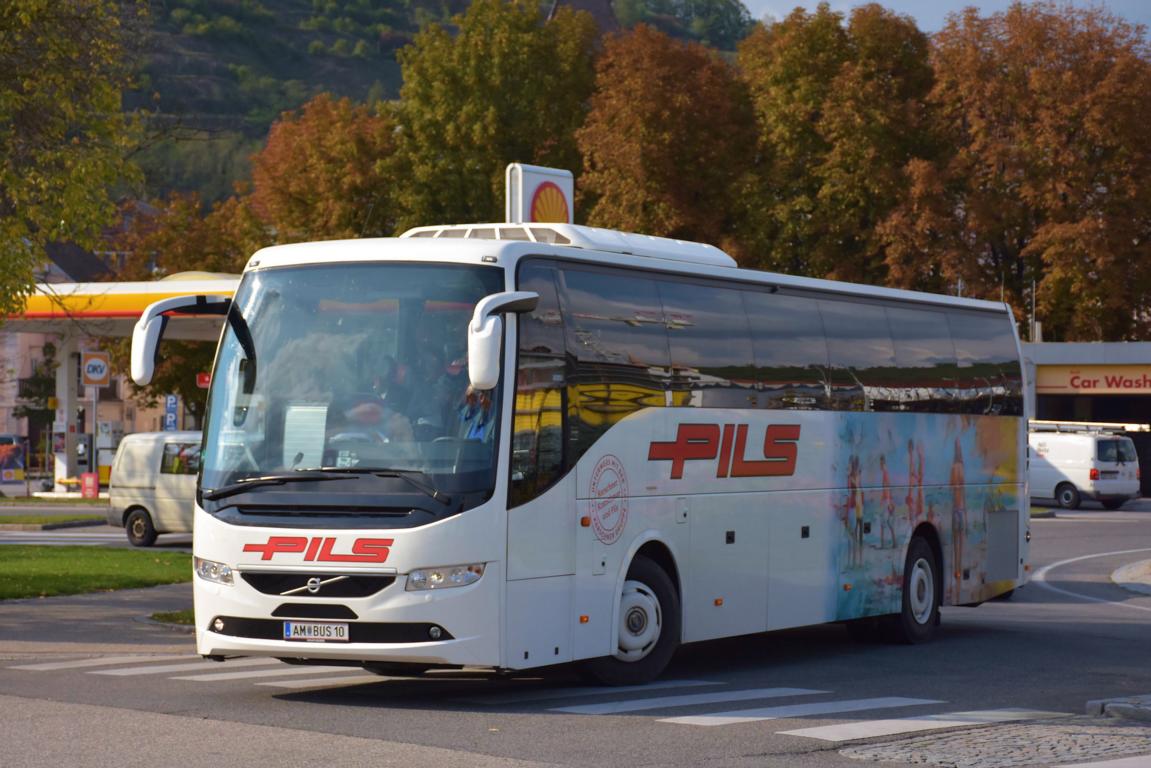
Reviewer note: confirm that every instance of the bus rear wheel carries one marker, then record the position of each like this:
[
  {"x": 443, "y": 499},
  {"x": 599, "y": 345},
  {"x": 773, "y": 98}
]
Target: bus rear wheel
[
  {"x": 649, "y": 628},
  {"x": 919, "y": 615}
]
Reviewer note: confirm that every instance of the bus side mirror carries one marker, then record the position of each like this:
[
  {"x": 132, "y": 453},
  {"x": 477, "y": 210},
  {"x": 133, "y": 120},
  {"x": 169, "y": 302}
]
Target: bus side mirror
[
  {"x": 486, "y": 331},
  {"x": 150, "y": 329}
]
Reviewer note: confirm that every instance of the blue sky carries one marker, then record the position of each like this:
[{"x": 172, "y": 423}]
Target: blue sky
[{"x": 930, "y": 15}]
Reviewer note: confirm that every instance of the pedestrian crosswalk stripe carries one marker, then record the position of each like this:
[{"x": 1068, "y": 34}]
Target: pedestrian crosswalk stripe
[
  {"x": 872, "y": 728},
  {"x": 98, "y": 662},
  {"x": 285, "y": 671},
  {"x": 327, "y": 682},
  {"x": 797, "y": 710},
  {"x": 196, "y": 665},
  {"x": 686, "y": 700},
  {"x": 538, "y": 694}
]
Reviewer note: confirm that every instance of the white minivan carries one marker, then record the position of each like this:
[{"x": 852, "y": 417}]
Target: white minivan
[
  {"x": 153, "y": 484},
  {"x": 1069, "y": 465}
]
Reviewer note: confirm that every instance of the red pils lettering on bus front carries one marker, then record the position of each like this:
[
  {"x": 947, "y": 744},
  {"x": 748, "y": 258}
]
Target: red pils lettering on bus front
[
  {"x": 363, "y": 551},
  {"x": 320, "y": 549},
  {"x": 692, "y": 442},
  {"x": 278, "y": 544},
  {"x": 702, "y": 442}
]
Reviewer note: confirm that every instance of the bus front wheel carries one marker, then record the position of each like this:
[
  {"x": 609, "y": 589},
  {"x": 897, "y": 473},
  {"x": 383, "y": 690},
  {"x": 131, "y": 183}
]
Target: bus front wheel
[
  {"x": 649, "y": 628},
  {"x": 919, "y": 616}
]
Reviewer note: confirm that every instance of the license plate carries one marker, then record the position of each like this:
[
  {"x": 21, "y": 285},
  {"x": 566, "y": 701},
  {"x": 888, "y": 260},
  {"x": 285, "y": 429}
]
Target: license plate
[{"x": 316, "y": 631}]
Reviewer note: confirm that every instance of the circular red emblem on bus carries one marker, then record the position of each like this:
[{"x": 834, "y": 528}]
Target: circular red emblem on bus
[{"x": 608, "y": 499}]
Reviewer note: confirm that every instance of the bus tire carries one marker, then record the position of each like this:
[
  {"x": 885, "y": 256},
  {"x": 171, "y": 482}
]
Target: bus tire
[
  {"x": 919, "y": 616},
  {"x": 141, "y": 531},
  {"x": 649, "y": 628},
  {"x": 1068, "y": 496}
]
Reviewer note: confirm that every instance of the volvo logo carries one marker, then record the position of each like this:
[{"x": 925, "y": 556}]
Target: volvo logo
[{"x": 313, "y": 585}]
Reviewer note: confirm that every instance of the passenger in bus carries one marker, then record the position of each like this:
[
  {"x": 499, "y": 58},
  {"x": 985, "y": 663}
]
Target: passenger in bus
[
  {"x": 476, "y": 416},
  {"x": 378, "y": 412}
]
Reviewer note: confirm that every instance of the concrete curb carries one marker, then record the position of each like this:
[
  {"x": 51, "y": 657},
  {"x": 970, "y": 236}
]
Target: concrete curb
[
  {"x": 51, "y": 526},
  {"x": 1129, "y": 707},
  {"x": 1134, "y": 577}
]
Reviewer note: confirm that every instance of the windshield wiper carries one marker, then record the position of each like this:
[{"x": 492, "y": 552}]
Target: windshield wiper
[
  {"x": 414, "y": 477},
  {"x": 240, "y": 486}
]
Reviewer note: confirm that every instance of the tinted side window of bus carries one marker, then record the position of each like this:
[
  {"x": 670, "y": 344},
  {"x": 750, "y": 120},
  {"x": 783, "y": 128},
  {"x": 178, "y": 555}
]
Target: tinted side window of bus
[
  {"x": 711, "y": 357},
  {"x": 537, "y": 431},
  {"x": 790, "y": 351},
  {"x": 863, "y": 371},
  {"x": 989, "y": 379},
  {"x": 925, "y": 355},
  {"x": 617, "y": 349}
]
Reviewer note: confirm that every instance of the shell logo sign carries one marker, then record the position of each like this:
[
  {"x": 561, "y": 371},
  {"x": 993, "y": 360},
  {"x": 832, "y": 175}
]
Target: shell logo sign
[
  {"x": 550, "y": 205},
  {"x": 539, "y": 194}
]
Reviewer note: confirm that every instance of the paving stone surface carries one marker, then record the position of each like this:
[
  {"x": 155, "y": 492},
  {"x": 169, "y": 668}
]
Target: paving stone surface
[{"x": 1017, "y": 745}]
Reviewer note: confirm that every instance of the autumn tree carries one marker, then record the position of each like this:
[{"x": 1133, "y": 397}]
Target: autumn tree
[
  {"x": 325, "y": 173},
  {"x": 1045, "y": 113},
  {"x": 840, "y": 112},
  {"x": 666, "y": 141},
  {"x": 63, "y": 138},
  {"x": 175, "y": 236},
  {"x": 506, "y": 87}
]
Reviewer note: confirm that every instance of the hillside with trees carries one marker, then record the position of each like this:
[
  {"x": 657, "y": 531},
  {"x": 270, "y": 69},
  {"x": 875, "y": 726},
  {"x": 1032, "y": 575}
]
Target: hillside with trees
[{"x": 215, "y": 74}]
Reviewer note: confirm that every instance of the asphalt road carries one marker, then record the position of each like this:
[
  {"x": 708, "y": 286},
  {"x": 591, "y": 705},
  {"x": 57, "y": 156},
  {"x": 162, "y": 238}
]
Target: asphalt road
[{"x": 87, "y": 681}]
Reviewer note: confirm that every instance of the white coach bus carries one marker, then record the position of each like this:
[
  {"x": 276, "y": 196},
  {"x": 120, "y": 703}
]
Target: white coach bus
[{"x": 512, "y": 446}]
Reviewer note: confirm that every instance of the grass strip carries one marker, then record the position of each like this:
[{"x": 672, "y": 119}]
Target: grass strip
[
  {"x": 47, "y": 519},
  {"x": 32, "y": 571},
  {"x": 183, "y": 618}
]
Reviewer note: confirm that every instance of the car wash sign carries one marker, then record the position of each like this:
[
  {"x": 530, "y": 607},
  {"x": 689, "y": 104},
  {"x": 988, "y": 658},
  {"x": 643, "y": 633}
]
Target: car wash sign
[
  {"x": 536, "y": 194},
  {"x": 1093, "y": 380}
]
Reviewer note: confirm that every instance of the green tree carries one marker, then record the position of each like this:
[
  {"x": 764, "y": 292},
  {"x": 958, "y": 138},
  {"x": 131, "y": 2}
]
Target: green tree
[
  {"x": 841, "y": 112},
  {"x": 1044, "y": 112},
  {"x": 325, "y": 172},
  {"x": 668, "y": 134},
  {"x": 507, "y": 87},
  {"x": 717, "y": 23},
  {"x": 63, "y": 138}
]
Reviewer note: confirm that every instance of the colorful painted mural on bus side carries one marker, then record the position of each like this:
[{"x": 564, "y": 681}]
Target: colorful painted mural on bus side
[{"x": 949, "y": 472}]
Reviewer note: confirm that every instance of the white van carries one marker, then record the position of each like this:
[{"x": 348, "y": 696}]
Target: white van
[
  {"x": 1070, "y": 463},
  {"x": 153, "y": 484}
]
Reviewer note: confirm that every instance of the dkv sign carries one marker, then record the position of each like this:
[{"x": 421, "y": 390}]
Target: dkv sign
[{"x": 95, "y": 370}]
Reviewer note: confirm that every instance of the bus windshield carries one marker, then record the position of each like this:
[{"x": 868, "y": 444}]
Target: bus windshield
[{"x": 351, "y": 369}]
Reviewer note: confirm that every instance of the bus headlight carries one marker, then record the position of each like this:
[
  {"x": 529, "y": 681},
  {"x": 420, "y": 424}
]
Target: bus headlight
[
  {"x": 444, "y": 577},
  {"x": 209, "y": 570}
]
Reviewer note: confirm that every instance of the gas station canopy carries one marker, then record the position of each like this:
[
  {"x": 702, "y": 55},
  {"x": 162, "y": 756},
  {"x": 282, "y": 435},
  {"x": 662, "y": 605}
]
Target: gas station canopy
[{"x": 112, "y": 309}]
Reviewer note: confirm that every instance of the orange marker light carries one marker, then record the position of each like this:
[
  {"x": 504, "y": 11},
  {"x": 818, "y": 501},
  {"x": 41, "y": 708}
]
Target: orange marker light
[
  {"x": 584, "y": 619},
  {"x": 718, "y": 601},
  {"x": 846, "y": 587},
  {"x": 585, "y": 521}
]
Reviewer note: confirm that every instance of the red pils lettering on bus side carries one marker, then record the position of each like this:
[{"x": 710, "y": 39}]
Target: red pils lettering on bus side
[
  {"x": 728, "y": 447},
  {"x": 318, "y": 549}
]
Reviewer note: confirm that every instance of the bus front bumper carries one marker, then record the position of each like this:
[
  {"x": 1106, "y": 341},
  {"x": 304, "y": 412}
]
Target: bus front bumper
[{"x": 457, "y": 626}]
